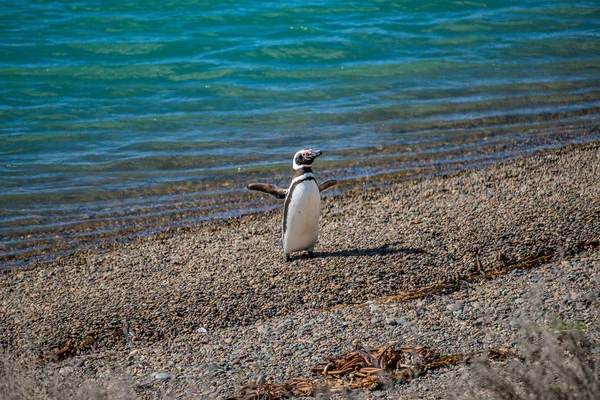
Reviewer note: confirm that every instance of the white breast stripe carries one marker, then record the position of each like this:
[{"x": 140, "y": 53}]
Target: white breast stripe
[{"x": 302, "y": 177}]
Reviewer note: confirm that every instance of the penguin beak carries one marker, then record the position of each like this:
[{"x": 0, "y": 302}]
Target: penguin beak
[{"x": 317, "y": 153}]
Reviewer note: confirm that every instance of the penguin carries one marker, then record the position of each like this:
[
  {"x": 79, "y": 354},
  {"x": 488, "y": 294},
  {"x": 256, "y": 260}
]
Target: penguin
[{"x": 302, "y": 204}]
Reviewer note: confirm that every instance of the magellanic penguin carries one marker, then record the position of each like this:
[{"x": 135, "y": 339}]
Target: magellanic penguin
[{"x": 302, "y": 205}]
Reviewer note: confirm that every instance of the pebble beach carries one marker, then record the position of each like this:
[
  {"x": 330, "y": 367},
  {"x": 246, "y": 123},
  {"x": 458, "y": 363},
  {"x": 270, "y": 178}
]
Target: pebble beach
[{"x": 454, "y": 262}]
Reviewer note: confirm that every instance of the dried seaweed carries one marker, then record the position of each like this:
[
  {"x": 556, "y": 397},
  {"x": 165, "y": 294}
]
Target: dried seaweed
[
  {"x": 401, "y": 363},
  {"x": 529, "y": 262},
  {"x": 72, "y": 347},
  {"x": 269, "y": 391},
  {"x": 364, "y": 369}
]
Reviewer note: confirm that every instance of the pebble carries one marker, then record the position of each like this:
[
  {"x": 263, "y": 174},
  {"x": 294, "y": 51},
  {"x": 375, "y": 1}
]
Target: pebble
[
  {"x": 162, "y": 376},
  {"x": 263, "y": 329},
  {"x": 455, "y": 306},
  {"x": 374, "y": 308},
  {"x": 421, "y": 310}
]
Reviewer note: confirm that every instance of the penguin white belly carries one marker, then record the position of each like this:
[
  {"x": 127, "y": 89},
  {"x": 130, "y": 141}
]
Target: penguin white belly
[{"x": 301, "y": 217}]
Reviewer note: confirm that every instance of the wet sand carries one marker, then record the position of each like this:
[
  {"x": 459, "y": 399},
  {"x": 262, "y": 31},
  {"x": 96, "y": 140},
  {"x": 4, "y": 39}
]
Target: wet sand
[{"x": 215, "y": 307}]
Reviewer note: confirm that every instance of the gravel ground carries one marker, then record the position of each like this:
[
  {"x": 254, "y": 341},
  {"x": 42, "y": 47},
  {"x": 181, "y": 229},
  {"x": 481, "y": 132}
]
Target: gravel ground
[{"x": 199, "y": 312}]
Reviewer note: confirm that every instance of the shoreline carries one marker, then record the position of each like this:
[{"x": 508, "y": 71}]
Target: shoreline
[
  {"x": 242, "y": 204},
  {"x": 216, "y": 306}
]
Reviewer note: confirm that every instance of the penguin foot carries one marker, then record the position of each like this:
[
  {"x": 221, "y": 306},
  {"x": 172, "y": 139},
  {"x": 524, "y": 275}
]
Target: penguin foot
[
  {"x": 310, "y": 253},
  {"x": 288, "y": 258}
]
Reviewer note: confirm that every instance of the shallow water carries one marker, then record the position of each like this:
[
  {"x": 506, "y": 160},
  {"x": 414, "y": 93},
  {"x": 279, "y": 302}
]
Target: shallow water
[{"x": 133, "y": 115}]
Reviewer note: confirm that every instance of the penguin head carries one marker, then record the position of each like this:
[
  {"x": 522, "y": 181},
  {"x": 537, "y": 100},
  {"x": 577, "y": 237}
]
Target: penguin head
[{"x": 305, "y": 157}]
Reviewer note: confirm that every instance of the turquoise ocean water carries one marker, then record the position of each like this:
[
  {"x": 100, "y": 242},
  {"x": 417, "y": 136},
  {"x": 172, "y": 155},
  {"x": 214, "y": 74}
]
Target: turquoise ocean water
[{"x": 121, "y": 116}]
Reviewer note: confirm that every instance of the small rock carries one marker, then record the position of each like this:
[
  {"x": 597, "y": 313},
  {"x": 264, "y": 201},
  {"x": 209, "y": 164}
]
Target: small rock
[
  {"x": 519, "y": 300},
  {"x": 260, "y": 380},
  {"x": 162, "y": 376},
  {"x": 202, "y": 330},
  {"x": 228, "y": 340},
  {"x": 374, "y": 308},
  {"x": 263, "y": 329},
  {"x": 391, "y": 321},
  {"x": 455, "y": 306},
  {"x": 64, "y": 371},
  {"x": 211, "y": 369}
]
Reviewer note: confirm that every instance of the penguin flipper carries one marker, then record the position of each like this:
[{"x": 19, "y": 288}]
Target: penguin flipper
[
  {"x": 269, "y": 189},
  {"x": 327, "y": 184}
]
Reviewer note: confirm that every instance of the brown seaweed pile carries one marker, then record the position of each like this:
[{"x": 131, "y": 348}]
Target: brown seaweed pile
[{"x": 364, "y": 369}]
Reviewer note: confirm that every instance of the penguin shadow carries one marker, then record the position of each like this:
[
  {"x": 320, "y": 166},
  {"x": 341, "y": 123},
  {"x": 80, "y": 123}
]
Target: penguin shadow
[{"x": 382, "y": 250}]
